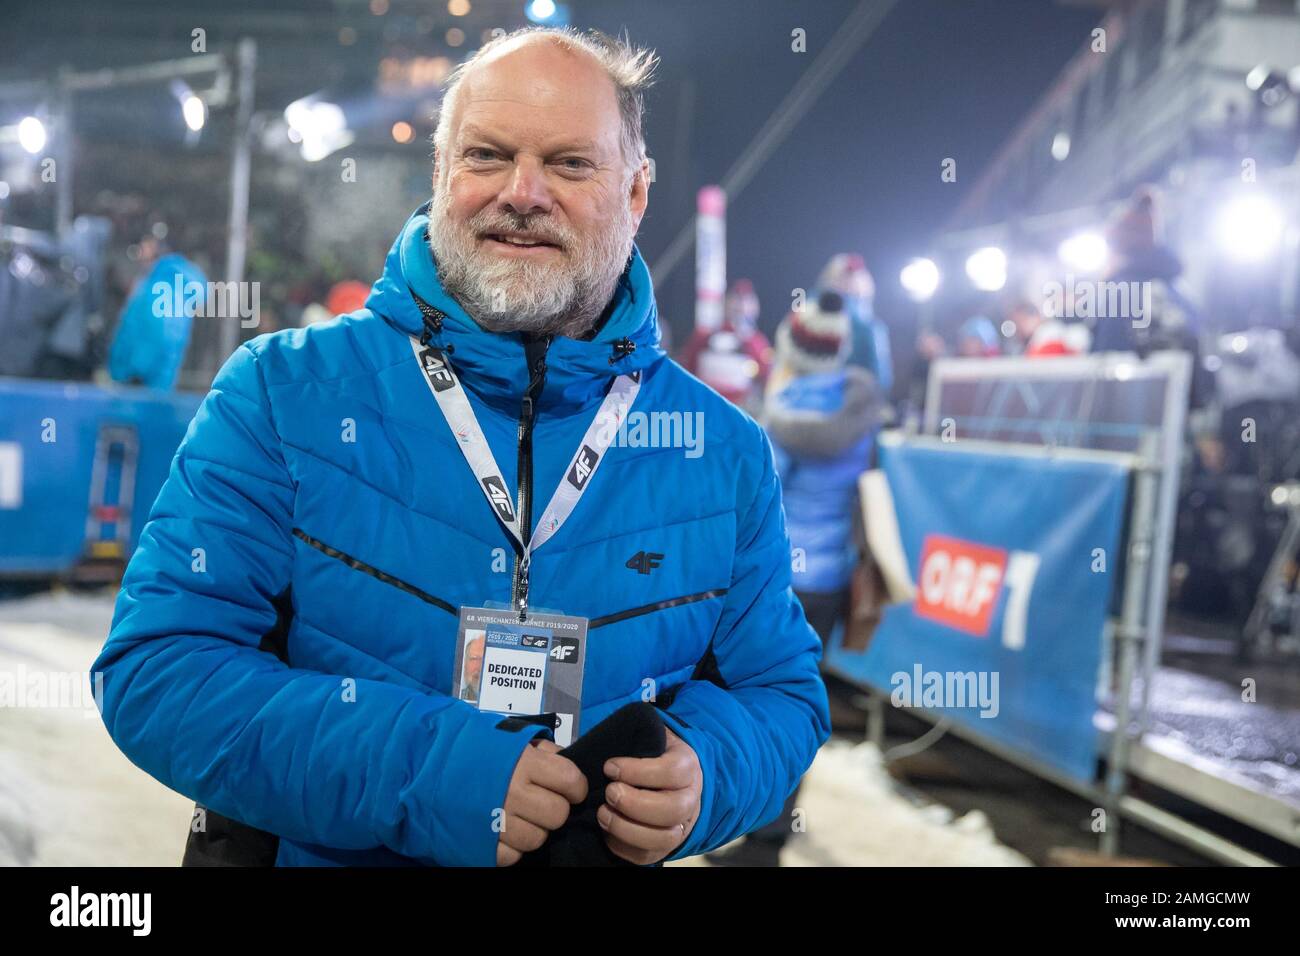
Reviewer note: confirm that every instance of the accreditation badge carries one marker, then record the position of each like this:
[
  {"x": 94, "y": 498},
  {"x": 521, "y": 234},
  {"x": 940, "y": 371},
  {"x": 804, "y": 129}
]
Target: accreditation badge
[{"x": 527, "y": 669}]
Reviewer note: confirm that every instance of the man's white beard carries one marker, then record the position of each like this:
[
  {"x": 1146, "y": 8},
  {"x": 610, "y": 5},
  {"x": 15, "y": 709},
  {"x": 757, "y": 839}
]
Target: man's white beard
[{"x": 512, "y": 295}]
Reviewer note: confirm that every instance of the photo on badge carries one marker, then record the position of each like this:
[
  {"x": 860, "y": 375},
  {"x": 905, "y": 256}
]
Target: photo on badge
[{"x": 471, "y": 671}]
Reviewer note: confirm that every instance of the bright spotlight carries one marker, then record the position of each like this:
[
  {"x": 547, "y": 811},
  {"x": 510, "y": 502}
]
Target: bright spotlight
[
  {"x": 1249, "y": 228},
  {"x": 31, "y": 134},
  {"x": 194, "y": 111},
  {"x": 1060, "y": 146},
  {"x": 1084, "y": 252},
  {"x": 920, "y": 279},
  {"x": 547, "y": 11},
  {"x": 987, "y": 268},
  {"x": 321, "y": 126},
  {"x": 539, "y": 10}
]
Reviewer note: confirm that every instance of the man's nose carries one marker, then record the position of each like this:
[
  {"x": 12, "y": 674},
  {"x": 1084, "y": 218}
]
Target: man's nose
[{"x": 527, "y": 192}]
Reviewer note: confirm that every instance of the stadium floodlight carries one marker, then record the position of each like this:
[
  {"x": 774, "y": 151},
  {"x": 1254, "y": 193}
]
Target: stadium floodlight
[
  {"x": 987, "y": 268},
  {"x": 1249, "y": 228},
  {"x": 920, "y": 279},
  {"x": 547, "y": 12},
  {"x": 1061, "y": 146},
  {"x": 194, "y": 111},
  {"x": 319, "y": 126},
  {"x": 31, "y": 134},
  {"x": 540, "y": 11},
  {"x": 1084, "y": 252}
]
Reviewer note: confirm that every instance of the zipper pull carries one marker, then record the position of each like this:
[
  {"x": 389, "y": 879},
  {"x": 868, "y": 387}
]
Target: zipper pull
[
  {"x": 521, "y": 592},
  {"x": 525, "y": 416}
]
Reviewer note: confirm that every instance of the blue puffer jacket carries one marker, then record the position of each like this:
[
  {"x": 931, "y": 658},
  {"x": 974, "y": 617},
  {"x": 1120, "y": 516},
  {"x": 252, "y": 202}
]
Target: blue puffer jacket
[{"x": 320, "y": 501}]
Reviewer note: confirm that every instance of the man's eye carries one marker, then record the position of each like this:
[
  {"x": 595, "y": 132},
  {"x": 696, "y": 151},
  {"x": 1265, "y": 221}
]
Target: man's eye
[
  {"x": 480, "y": 154},
  {"x": 574, "y": 165}
]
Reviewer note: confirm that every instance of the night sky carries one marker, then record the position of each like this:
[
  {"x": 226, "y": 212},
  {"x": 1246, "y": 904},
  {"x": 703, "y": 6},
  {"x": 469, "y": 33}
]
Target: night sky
[{"x": 861, "y": 171}]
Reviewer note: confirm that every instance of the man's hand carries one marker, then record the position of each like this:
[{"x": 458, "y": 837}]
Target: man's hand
[
  {"x": 541, "y": 791},
  {"x": 652, "y": 805}
]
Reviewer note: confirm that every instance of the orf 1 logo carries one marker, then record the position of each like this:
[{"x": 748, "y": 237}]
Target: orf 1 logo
[{"x": 960, "y": 583}]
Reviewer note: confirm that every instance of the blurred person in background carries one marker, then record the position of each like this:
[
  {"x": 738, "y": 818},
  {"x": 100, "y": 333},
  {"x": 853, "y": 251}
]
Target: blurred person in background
[
  {"x": 929, "y": 346},
  {"x": 736, "y": 358},
  {"x": 822, "y": 423},
  {"x": 1139, "y": 255},
  {"x": 1025, "y": 319},
  {"x": 978, "y": 337},
  {"x": 153, "y": 329},
  {"x": 846, "y": 273}
]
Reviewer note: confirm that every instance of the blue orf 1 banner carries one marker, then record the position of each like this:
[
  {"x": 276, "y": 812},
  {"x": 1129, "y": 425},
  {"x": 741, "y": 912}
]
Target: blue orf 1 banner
[{"x": 1015, "y": 560}]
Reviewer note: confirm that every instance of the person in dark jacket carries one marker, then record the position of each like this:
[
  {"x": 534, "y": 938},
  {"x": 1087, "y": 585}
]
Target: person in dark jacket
[
  {"x": 822, "y": 423},
  {"x": 284, "y": 646}
]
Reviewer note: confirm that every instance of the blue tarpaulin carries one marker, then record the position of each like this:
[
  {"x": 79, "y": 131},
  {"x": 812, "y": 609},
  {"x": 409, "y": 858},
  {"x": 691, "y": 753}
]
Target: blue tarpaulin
[
  {"x": 1015, "y": 562},
  {"x": 48, "y": 435}
]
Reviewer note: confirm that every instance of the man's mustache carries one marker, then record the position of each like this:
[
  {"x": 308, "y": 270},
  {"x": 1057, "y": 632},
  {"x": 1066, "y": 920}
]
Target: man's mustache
[{"x": 540, "y": 230}]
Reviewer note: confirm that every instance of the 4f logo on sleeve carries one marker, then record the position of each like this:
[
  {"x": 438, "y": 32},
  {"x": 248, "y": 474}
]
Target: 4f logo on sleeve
[
  {"x": 564, "y": 650},
  {"x": 436, "y": 370},
  {"x": 583, "y": 467},
  {"x": 500, "y": 498}
]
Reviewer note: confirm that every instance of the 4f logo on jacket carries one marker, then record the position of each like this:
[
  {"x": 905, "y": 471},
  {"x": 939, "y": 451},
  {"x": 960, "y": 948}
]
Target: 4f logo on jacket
[
  {"x": 643, "y": 562},
  {"x": 436, "y": 370},
  {"x": 583, "y": 467},
  {"x": 500, "y": 498}
]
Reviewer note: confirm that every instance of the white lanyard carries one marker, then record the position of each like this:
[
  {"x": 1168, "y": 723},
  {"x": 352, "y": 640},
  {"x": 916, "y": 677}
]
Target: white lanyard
[{"x": 450, "y": 395}]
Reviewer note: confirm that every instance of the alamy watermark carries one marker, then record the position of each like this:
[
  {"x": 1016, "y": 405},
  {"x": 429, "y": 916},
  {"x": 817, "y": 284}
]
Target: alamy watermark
[
  {"x": 655, "y": 430},
  {"x": 946, "y": 689},
  {"x": 52, "y": 690},
  {"x": 209, "y": 300},
  {"x": 1095, "y": 299}
]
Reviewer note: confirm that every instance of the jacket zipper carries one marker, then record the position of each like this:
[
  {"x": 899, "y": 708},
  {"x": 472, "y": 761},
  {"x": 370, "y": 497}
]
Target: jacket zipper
[
  {"x": 618, "y": 616},
  {"x": 535, "y": 358},
  {"x": 374, "y": 572}
]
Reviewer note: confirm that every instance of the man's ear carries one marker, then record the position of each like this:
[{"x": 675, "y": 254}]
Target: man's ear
[{"x": 639, "y": 191}]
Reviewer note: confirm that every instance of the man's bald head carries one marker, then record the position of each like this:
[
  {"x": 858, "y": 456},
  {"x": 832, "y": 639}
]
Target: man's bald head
[{"x": 628, "y": 70}]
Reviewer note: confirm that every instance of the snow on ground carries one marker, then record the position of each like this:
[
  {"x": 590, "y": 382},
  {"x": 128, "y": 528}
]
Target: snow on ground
[
  {"x": 68, "y": 797},
  {"x": 853, "y": 815}
]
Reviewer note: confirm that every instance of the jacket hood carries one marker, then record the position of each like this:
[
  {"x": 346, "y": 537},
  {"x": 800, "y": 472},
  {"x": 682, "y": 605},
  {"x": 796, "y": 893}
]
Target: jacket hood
[{"x": 493, "y": 364}]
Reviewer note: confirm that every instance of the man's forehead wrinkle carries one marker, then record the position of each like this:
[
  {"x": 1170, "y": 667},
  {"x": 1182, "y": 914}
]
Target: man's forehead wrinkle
[
  {"x": 544, "y": 136},
  {"x": 555, "y": 126}
]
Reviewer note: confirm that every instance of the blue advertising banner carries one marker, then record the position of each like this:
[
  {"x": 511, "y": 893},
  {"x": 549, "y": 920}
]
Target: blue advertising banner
[{"x": 1015, "y": 560}]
